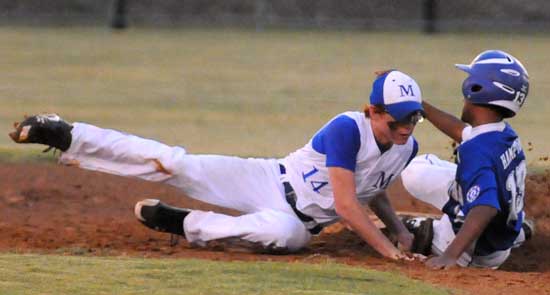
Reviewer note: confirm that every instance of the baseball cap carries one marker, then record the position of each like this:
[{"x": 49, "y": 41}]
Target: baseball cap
[{"x": 398, "y": 93}]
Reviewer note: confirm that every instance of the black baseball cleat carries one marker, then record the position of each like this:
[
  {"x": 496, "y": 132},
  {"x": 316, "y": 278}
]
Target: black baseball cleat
[
  {"x": 48, "y": 129},
  {"x": 422, "y": 229},
  {"x": 528, "y": 227},
  {"x": 161, "y": 217}
]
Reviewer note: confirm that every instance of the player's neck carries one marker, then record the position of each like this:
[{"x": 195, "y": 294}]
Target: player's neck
[
  {"x": 483, "y": 122},
  {"x": 480, "y": 115},
  {"x": 382, "y": 141},
  {"x": 383, "y": 147},
  {"x": 483, "y": 118}
]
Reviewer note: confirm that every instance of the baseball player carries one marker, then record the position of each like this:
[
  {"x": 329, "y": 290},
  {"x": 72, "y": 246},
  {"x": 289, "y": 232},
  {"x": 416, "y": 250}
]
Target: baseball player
[
  {"x": 349, "y": 162},
  {"x": 482, "y": 196}
]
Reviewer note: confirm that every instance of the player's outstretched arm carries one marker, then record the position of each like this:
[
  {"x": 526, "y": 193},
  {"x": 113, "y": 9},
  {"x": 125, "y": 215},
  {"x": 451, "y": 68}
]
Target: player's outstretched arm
[
  {"x": 445, "y": 122},
  {"x": 475, "y": 223},
  {"x": 353, "y": 214}
]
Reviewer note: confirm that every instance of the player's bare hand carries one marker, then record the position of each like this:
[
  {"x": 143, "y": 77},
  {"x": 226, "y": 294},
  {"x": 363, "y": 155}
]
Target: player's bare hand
[
  {"x": 414, "y": 257},
  {"x": 401, "y": 256},
  {"x": 419, "y": 257},
  {"x": 440, "y": 262}
]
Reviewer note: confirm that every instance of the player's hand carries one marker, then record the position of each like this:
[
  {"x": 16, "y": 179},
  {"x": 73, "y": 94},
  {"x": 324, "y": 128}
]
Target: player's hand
[
  {"x": 419, "y": 257},
  {"x": 398, "y": 255},
  {"x": 405, "y": 241},
  {"x": 440, "y": 262}
]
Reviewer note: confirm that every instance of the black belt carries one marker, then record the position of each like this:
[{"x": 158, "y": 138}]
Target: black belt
[{"x": 312, "y": 226}]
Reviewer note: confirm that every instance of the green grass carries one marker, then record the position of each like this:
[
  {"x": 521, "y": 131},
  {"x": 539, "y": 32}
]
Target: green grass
[
  {"x": 33, "y": 155},
  {"x": 242, "y": 92},
  {"x": 46, "y": 274}
]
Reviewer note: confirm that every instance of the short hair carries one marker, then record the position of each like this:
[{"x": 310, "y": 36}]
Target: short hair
[{"x": 378, "y": 108}]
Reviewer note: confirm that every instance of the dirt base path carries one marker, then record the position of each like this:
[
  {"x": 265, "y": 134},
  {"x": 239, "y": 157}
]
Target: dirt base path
[{"x": 47, "y": 208}]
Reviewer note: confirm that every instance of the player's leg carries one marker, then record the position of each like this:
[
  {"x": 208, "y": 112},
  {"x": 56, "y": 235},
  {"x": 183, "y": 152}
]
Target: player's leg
[
  {"x": 497, "y": 258},
  {"x": 266, "y": 230},
  {"x": 493, "y": 260},
  {"x": 443, "y": 235},
  {"x": 252, "y": 186},
  {"x": 526, "y": 233},
  {"x": 272, "y": 229},
  {"x": 115, "y": 152},
  {"x": 242, "y": 184},
  {"x": 248, "y": 185},
  {"x": 428, "y": 178},
  {"x": 433, "y": 236},
  {"x": 94, "y": 148}
]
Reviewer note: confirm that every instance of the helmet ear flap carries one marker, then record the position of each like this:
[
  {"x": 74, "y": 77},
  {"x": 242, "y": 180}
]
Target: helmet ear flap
[{"x": 471, "y": 87}]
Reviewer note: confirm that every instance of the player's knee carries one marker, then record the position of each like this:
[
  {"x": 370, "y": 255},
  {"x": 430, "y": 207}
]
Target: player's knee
[
  {"x": 419, "y": 176},
  {"x": 413, "y": 176},
  {"x": 173, "y": 160},
  {"x": 290, "y": 233}
]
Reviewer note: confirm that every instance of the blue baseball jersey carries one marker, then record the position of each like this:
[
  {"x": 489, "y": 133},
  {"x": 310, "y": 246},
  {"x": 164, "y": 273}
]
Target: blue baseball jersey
[{"x": 491, "y": 172}]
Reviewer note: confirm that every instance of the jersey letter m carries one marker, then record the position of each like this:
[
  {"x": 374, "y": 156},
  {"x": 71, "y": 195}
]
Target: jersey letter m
[
  {"x": 382, "y": 182},
  {"x": 408, "y": 91}
]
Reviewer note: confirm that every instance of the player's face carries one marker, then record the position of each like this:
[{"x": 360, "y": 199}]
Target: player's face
[
  {"x": 467, "y": 112},
  {"x": 389, "y": 131},
  {"x": 400, "y": 131}
]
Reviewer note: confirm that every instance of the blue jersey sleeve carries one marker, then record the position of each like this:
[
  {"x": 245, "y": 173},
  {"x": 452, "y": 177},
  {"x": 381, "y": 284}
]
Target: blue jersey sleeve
[
  {"x": 340, "y": 142},
  {"x": 482, "y": 191}
]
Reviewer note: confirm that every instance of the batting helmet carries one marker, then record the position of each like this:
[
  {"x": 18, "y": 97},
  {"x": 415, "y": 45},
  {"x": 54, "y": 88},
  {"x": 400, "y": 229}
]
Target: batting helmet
[{"x": 496, "y": 78}]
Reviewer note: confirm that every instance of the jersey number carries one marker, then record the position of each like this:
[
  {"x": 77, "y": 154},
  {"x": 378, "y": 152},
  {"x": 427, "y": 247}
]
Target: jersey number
[
  {"x": 315, "y": 185},
  {"x": 515, "y": 184}
]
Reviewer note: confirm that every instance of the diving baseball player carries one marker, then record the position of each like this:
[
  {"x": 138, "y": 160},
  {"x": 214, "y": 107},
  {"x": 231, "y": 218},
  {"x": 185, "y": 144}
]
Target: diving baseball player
[
  {"x": 349, "y": 162},
  {"x": 482, "y": 196}
]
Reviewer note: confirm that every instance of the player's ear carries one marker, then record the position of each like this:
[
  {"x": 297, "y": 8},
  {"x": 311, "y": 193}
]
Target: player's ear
[
  {"x": 366, "y": 110},
  {"x": 376, "y": 111}
]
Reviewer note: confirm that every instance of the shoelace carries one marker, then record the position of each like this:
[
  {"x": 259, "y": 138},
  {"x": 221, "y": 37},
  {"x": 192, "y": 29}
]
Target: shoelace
[{"x": 55, "y": 150}]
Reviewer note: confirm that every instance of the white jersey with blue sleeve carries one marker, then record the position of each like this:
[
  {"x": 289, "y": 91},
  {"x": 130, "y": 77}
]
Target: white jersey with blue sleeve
[
  {"x": 346, "y": 141},
  {"x": 491, "y": 172}
]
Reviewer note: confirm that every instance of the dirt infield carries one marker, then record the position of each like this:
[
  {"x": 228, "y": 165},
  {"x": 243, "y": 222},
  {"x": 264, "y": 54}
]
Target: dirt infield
[{"x": 53, "y": 209}]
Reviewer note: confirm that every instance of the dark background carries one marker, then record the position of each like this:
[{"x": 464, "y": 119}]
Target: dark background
[{"x": 458, "y": 15}]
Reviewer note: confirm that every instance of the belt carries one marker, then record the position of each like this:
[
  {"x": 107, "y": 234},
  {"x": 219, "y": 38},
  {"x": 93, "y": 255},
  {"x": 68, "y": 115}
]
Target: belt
[{"x": 313, "y": 227}]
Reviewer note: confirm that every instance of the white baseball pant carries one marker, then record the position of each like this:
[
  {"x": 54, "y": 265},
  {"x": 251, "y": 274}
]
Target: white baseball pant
[
  {"x": 428, "y": 179},
  {"x": 252, "y": 186}
]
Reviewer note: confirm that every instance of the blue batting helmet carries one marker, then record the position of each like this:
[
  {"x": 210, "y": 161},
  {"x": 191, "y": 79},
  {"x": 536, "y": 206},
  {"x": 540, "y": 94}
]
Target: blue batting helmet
[{"x": 496, "y": 78}]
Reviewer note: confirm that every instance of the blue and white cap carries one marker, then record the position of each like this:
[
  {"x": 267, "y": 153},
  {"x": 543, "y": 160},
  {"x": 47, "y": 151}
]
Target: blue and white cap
[{"x": 398, "y": 93}]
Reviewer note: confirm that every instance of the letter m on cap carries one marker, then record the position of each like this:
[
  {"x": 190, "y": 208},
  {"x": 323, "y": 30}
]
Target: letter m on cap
[{"x": 406, "y": 90}]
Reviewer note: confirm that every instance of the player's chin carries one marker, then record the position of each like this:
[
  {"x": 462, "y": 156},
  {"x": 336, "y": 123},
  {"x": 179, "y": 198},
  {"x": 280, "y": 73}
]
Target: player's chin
[{"x": 401, "y": 138}]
